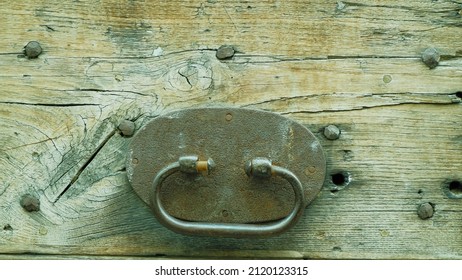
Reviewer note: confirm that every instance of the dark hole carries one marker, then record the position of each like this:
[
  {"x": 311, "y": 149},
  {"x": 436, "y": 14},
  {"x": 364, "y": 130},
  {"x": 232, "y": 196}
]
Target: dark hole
[
  {"x": 455, "y": 187},
  {"x": 7, "y": 227},
  {"x": 420, "y": 192},
  {"x": 339, "y": 179},
  {"x": 337, "y": 249},
  {"x": 459, "y": 94}
]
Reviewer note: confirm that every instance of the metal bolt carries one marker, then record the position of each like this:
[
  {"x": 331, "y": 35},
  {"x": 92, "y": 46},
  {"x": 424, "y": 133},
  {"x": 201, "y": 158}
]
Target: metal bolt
[
  {"x": 127, "y": 128},
  {"x": 425, "y": 211},
  {"x": 225, "y": 52},
  {"x": 33, "y": 49},
  {"x": 431, "y": 57},
  {"x": 30, "y": 203},
  {"x": 331, "y": 132}
]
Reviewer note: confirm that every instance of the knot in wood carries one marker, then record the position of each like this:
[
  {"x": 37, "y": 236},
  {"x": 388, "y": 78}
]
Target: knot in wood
[{"x": 190, "y": 77}]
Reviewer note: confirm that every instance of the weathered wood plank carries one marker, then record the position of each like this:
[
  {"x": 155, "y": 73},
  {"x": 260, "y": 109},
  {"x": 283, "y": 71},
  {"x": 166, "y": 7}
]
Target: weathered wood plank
[
  {"x": 355, "y": 65},
  {"x": 285, "y": 28}
]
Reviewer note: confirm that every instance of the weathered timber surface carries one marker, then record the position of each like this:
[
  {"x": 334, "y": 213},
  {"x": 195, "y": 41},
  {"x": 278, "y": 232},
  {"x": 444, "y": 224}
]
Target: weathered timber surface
[{"x": 355, "y": 64}]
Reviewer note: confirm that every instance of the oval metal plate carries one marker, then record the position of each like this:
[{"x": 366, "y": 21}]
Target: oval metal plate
[{"x": 231, "y": 137}]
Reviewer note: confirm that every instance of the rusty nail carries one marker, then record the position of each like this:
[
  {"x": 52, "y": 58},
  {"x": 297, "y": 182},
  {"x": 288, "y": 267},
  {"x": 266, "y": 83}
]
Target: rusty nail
[
  {"x": 33, "y": 49},
  {"x": 30, "y": 203},
  {"x": 425, "y": 211},
  {"x": 332, "y": 132},
  {"x": 225, "y": 52},
  {"x": 127, "y": 128},
  {"x": 431, "y": 57}
]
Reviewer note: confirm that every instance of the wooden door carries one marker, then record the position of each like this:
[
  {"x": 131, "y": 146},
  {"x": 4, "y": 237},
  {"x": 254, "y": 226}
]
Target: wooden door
[{"x": 354, "y": 64}]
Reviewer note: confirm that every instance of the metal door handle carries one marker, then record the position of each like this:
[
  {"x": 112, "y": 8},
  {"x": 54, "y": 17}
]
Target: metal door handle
[{"x": 258, "y": 167}]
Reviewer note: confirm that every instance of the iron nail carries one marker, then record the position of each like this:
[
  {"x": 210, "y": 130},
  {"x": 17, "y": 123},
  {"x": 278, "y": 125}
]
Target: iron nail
[
  {"x": 225, "y": 52},
  {"x": 127, "y": 128},
  {"x": 425, "y": 210},
  {"x": 431, "y": 57},
  {"x": 30, "y": 203},
  {"x": 33, "y": 49},
  {"x": 332, "y": 132}
]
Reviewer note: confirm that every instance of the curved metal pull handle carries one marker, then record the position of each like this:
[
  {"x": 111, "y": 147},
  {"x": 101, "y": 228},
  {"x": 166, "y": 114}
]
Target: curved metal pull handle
[{"x": 258, "y": 167}]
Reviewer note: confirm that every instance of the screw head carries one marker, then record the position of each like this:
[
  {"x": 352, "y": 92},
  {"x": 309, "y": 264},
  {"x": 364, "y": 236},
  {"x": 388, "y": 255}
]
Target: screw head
[
  {"x": 425, "y": 211},
  {"x": 30, "y": 203},
  {"x": 431, "y": 57},
  {"x": 33, "y": 49},
  {"x": 225, "y": 52},
  {"x": 127, "y": 128},
  {"x": 332, "y": 132}
]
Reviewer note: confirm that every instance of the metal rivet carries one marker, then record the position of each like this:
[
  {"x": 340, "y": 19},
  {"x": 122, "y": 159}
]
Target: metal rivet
[
  {"x": 127, "y": 128},
  {"x": 229, "y": 116},
  {"x": 30, "y": 203},
  {"x": 33, "y": 49},
  {"x": 431, "y": 57},
  {"x": 225, "y": 52},
  {"x": 332, "y": 132},
  {"x": 425, "y": 211},
  {"x": 310, "y": 170}
]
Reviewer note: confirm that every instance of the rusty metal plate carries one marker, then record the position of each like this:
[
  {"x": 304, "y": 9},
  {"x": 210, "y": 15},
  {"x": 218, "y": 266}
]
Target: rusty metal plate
[{"x": 231, "y": 137}]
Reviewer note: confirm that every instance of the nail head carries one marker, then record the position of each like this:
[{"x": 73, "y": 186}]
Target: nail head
[
  {"x": 431, "y": 57},
  {"x": 331, "y": 132},
  {"x": 127, "y": 128},
  {"x": 30, "y": 203},
  {"x": 425, "y": 211},
  {"x": 33, "y": 49},
  {"x": 225, "y": 52}
]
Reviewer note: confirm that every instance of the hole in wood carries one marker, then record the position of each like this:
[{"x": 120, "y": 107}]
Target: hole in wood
[
  {"x": 455, "y": 187},
  {"x": 340, "y": 179},
  {"x": 459, "y": 94}
]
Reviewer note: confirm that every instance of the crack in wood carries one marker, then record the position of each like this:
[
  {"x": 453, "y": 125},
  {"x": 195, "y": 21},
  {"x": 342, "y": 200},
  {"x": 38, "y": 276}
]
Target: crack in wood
[
  {"x": 111, "y": 91},
  {"x": 85, "y": 165},
  {"x": 50, "y": 104},
  {"x": 33, "y": 143},
  {"x": 365, "y": 107},
  {"x": 451, "y": 100}
]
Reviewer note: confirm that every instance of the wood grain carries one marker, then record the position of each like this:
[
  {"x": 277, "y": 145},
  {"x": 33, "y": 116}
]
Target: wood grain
[{"x": 353, "y": 64}]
